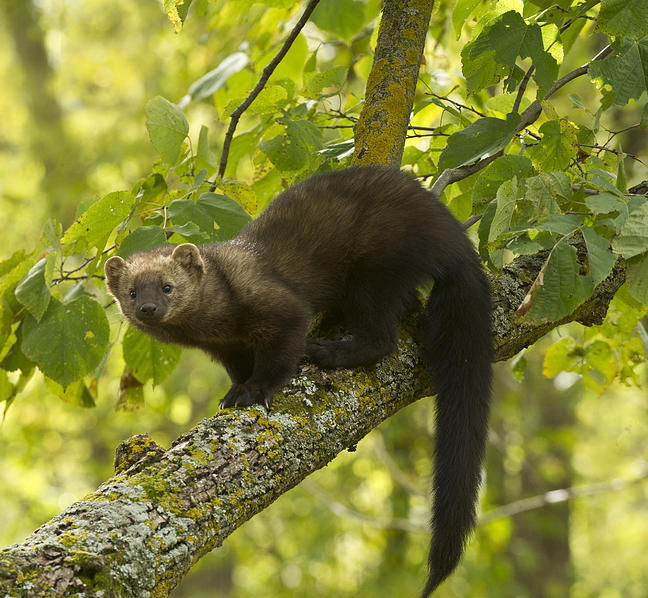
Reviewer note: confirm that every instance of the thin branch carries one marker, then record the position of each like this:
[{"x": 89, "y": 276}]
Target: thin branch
[
  {"x": 87, "y": 261},
  {"x": 265, "y": 75},
  {"x": 470, "y": 221},
  {"x": 578, "y": 72},
  {"x": 341, "y": 510},
  {"x": 517, "y": 507},
  {"x": 522, "y": 89},
  {"x": 583, "y": 8},
  {"x": 459, "y": 106},
  {"x": 452, "y": 175},
  {"x": 66, "y": 278},
  {"x": 557, "y": 496}
]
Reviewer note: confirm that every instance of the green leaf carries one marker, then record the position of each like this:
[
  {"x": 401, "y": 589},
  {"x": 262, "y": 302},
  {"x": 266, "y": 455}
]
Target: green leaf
[
  {"x": 148, "y": 358},
  {"x": 344, "y": 18},
  {"x": 52, "y": 232},
  {"x": 519, "y": 366},
  {"x": 15, "y": 359},
  {"x": 10, "y": 263},
  {"x": 600, "y": 257},
  {"x": 505, "y": 202},
  {"x": 167, "y": 127},
  {"x": 633, "y": 236},
  {"x": 12, "y": 271},
  {"x": 626, "y": 71},
  {"x": 242, "y": 194},
  {"x": 562, "y": 224},
  {"x": 483, "y": 138},
  {"x": 557, "y": 147},
  {"x": 69, "y": 341},
  {"x": 316, "y": 82},
  {"x": 7, "y": 389},
  {"x": 227, "y": 213},
  {"x": 292, "y": 150},
  {"x": 503, "y": 169},
  {"x": 269, "y": 100},
  {"x": 557, "y": 287},
  {"x": 95, "y": 225},
  {"x": 627, "y": 18},
  {"x": 460, "y": 14},
  {"x": 600, "y": 366},
  {"x": 292, "y": 64},
  {"x": 141, "y": 239},
  {"x": 604, "y": 203},
  {"x": 563, "y": 355},
  {"x": 212, "y": 81},
  {"x": 502, "y": 42},
  {"x": 637, "y": 280},
  {"x": 217, "y": 217},
  {"x": 171, "y": 8},
  {"x": 32, "y": 292},
  {"x": 203, "y": 159},
  {"x": 76, "y": 393},
  {"x": 544, "y": 190}
]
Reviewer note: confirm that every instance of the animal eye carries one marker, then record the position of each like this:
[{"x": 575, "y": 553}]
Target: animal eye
[
  {"x": 132, "y": 294},
  {"x": 166, "y": 288}
]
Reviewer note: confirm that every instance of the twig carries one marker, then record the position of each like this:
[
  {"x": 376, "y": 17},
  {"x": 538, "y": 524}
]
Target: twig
[
  {"x": 515, "y": 508},
  {"x": 341, "y": 510},
  {"x": 585, "y": 6},
  {"x": 265, "y": 75},
  {"x": 556, "y": 496},
  {"x": 470, "y": 221},
  {"x": 66, "y": 278},
  {"x": 85, "y": 262},
  {"x": 522, "y": 89},
  {"x": 578, "y": 72},
  {"x": 457, "y": 105},
  {"x": 452, "y": 175}
]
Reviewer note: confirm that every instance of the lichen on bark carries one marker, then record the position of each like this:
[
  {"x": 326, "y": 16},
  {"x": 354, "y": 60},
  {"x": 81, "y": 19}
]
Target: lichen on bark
[{"x": 381, "y": 129}]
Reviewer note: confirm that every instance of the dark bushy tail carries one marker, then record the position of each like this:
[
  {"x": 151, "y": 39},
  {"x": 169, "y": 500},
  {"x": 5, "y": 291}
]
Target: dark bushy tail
[{"x": 459, "y": 348}]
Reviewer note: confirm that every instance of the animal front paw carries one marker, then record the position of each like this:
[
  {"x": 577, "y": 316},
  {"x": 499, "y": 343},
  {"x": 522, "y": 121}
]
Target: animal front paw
[{"x": 246, "y": 395}]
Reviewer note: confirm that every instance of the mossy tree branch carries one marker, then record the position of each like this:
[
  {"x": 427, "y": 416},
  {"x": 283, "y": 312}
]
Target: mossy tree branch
[{"x": 141, "y": 531}]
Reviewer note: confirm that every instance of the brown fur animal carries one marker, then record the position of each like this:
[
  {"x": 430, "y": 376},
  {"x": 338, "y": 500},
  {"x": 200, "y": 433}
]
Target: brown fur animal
[{"x": 356, "y": 242}]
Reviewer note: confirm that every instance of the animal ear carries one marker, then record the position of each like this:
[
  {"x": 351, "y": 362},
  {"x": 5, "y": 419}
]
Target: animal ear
[
  {"x": 188, "y": 256},
  {"x": 113, "y": 269}
]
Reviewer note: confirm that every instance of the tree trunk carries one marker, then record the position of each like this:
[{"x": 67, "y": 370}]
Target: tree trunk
[{"x": 381, "y": 130}]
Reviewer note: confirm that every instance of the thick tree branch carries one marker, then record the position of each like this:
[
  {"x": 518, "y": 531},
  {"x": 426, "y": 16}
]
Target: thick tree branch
[{"x": 142, "y": 530}]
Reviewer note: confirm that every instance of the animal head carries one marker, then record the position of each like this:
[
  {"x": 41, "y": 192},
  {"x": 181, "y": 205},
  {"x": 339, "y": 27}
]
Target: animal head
[{"x": 156, "y": 287}]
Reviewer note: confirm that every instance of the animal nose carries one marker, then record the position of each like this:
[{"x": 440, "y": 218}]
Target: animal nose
[{"x": 147, "y": 309}]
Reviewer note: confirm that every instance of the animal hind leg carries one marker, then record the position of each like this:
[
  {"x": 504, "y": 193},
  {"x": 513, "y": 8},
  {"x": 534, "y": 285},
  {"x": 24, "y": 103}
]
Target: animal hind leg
[{"x": 372, "y": 319}]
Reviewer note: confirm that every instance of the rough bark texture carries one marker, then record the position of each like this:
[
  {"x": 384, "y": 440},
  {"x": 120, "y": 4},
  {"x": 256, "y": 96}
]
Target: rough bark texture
[
  {"x": 381, "y": 129},
  {"x": 141, "y": 531}
]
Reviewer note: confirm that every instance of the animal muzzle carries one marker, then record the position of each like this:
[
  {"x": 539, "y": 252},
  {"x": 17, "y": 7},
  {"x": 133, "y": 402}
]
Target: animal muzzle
[{"x": 148, "y": 311}]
